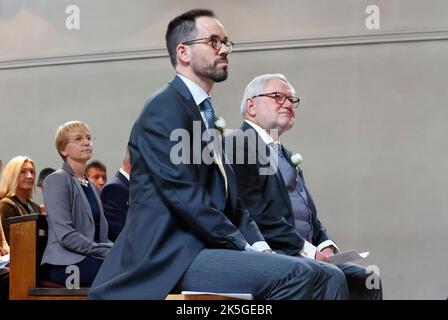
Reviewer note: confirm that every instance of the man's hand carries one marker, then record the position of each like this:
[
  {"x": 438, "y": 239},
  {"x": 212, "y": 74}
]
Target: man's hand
[
  {"x": 328, "y": 251},
  {"x": 267, "y": 251},
  {"x": 319, "y": 256}
]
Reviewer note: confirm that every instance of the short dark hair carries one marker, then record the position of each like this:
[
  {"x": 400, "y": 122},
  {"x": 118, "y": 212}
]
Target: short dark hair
[
  {"x": 183, "y": 28},
  {"x": 44, "y": 173},
  {"x": 96, "y": 164}
]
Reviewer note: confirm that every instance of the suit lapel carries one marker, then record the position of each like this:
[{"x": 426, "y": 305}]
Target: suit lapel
[
  {"x": 190, "y": 104},
  {"x": 81, "y": 192},
  {"x": 288, "y": 155},
  {"x": 122, "y": 178},
  {"x": 79, "y": 189},
  {"x": 283, "y": 190},
  {"x": 310, "y": 199},
  {"x": 193, "y": 109},
  {"x": 261, "y": 158}
]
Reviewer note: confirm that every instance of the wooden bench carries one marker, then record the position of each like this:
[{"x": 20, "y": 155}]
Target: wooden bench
[{"x": 28, "y": 238}]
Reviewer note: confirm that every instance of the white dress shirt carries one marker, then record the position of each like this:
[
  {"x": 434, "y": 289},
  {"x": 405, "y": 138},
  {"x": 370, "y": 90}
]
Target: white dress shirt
[{"x": 126, "y": 175}]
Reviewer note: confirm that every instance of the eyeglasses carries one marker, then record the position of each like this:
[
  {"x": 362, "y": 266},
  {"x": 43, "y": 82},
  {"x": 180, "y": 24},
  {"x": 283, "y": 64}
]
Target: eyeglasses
[
  {"x": 79, "y": 140},
  {"x": 215, "y": 42},
  {"x": 280, "y": 98}
]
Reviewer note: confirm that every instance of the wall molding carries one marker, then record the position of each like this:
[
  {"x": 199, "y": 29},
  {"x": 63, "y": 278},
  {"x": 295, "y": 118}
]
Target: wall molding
[{"x": 248, "y": 46}]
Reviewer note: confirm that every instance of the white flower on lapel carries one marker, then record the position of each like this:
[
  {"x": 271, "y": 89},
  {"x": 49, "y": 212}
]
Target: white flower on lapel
[
  {"x": 297, "y": 160},
  {"x": 220, "y": 124}
]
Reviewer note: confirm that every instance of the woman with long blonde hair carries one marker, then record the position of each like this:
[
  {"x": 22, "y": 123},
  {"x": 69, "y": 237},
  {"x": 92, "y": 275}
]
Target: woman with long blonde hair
[{"x": 17, "y": 186}]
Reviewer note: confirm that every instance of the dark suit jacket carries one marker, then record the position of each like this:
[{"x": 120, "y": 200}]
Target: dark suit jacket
[
  {"x": 175, "y": 211},
  {"x": 267, "y": 199},
  {"x": 115, "y": 198}
]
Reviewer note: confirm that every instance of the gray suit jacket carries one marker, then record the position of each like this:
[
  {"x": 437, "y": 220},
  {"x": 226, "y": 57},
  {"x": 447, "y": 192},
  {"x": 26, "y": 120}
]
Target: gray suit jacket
[{"x": 71, "y": 228}]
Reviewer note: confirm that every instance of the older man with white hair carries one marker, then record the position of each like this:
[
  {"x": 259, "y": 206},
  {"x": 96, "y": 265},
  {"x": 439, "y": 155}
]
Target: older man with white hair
[{"x": 279, "y": 201}]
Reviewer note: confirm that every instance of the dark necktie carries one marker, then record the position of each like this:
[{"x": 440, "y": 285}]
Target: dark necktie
[{"x": 206, "y": 107}]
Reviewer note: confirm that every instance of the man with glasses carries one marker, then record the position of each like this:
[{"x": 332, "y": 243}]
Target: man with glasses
[
  {"x": 186, "y": 229},
  {"x": 279, "y": 201}
]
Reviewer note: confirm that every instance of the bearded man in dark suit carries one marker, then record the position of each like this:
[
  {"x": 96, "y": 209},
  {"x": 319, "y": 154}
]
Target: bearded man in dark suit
[{"x": 186, "y": 228}]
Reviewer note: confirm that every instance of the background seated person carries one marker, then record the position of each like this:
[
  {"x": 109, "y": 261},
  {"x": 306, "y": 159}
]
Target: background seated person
[
  {"x": 16, "y": 190},
  {"x": 77, "y": 228},
  {"x": 115, "y": 198},
  {"x": 97, "y": 173},
  {"x": 43, "y": 174}
]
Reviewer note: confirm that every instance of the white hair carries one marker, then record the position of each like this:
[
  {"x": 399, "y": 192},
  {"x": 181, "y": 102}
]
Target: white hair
[{"x": 258, "y": 84}]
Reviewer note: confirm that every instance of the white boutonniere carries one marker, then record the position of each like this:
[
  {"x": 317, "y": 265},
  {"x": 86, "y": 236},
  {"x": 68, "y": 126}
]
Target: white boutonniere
[
  {"x": 220, "y": 124},
  {"x": 297, "y": 160}
]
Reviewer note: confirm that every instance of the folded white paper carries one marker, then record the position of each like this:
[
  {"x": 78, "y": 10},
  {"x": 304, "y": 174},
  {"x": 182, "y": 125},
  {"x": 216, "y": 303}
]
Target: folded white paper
[
  {"x": 4, "y": 261},
  {"x": 243, "y": 296},
  {"x": 347, "y": 256}
]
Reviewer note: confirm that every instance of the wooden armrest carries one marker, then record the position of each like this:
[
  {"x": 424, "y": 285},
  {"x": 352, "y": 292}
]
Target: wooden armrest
[
  {"x": 24, "y": 218},
  {"x": 23, "y": 260}
]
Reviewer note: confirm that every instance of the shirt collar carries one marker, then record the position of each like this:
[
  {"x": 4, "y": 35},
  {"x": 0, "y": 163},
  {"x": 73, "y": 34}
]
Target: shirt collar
[
  {"x": 126, "y": 175},
  {"x": 266, "y": 137},
  {"x": 196, "y": 91}
]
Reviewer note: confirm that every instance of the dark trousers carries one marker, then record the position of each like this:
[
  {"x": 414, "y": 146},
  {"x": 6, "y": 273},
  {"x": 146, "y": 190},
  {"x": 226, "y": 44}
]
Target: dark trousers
[
  {"x": 88, "y": 268},
  {"x": 357, "y": 278},
  {"x": 4, "y": 284},
  {"x": 264, "y": 275}
]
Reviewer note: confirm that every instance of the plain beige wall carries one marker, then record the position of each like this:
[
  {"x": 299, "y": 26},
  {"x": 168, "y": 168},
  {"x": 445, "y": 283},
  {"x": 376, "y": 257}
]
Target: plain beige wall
[{"x": 371, "y": 124}]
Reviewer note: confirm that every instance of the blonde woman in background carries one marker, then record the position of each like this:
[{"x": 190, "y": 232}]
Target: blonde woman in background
[{"x": 17, "y": 186}]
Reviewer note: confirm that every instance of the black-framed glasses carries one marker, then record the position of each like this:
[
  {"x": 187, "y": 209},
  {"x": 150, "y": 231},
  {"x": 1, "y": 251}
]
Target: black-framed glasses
[
  {"x": 280, "y": 98},
  {"x": 215, "y": 42}
]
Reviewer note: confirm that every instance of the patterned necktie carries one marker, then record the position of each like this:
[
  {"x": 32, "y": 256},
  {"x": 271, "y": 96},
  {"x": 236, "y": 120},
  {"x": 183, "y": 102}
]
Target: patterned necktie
[
  {"x": 206, "y": 107},
  {"x": 278, "y": 148}
]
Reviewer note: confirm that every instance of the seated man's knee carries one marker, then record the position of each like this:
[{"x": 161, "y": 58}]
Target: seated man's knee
[
  {"x": 303, "y": 270},
  {"x": 334, "y": 273}
]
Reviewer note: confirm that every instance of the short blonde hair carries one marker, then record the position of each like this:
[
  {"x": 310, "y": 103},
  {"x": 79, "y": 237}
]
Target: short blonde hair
[
  {"x": 10, "y": 177},
  {"x": 61, "y": 136}
]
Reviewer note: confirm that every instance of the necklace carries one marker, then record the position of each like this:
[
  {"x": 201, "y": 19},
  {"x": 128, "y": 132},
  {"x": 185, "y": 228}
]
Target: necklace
[{"x": 83, "y": 182}]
